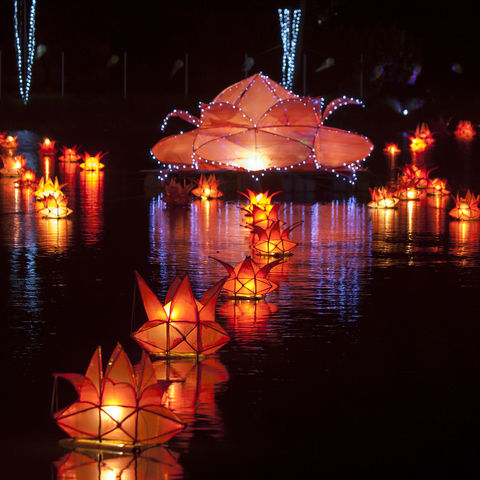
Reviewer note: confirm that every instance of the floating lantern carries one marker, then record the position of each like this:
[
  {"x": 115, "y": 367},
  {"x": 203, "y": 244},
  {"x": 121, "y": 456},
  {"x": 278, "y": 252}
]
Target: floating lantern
[
  {"x": 413, "y": 176},
  {"x": 263, "y": 218},
  {"x": 262, "y": 200},
  {"x": 55, "y": 207},
  {"x": 183, "y": 326},
  {"x": 382, "y": 197},
  {"x": 176, "y": 193},
  {"x": 465, "y": 130},
  {"x": 9, "y": 143},
  {"x": 27, "y": 178},
  {"x": 273, "y": 241},
  {"x": 422, "y": 138},
  {"x": 466, "y": 208},
  {"x": 13, "y": 165},
  {"x": 47, "y": 147},
  {"x": 123, "y": 407},
  {"x": 408, "y": 193},
  {"x": 258, "y": 125},
  {"x": 207, "y": 187},
  {"x": 437, "y": 186},
  {"x": 391, "y": 149},
  {"x": 92, "y": 163},
  {"x": 417, "y": 144},
  {"x": 248, "y": 280},
  {"x": 47, "y": 188},
  {"x": 69, "y": 154}
]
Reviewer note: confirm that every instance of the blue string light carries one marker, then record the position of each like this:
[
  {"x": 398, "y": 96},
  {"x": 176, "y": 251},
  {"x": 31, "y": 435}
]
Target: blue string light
[
  {"x": 25, "y": 47},
  {"x": 289, "y": 26}
]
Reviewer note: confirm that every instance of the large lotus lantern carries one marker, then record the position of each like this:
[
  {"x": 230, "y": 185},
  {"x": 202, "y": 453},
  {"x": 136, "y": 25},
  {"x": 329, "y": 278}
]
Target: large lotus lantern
[
  {"x": 207, "y": 187},
  {"x": 273, "y": 241},
  {"x": 92, "y": 163},
  {"x": 437, "y": 186},
  {"x": 183, "y": 325},
  {"x": 13, "y": 165},
  {"x": 122, "y": 407},
  {"x": 465, "y": 130},
  {"x": 262, "y": 200},
  {"x": 248, "y": 280},
  {"x": 177, "y": 193},
  {"x": 413, "y": 176},
  {"x": 69, "y": 154},
  {"x": 55, "y": 207},
  {"x": 466, "y": 208},
  {"x": 9, "y": 142},
  {"x": 382, "y": 197},
  {"x": 47, "y": 147},
  {"x": 48, "y": 188},
  {"x": 264, "y": 218}
]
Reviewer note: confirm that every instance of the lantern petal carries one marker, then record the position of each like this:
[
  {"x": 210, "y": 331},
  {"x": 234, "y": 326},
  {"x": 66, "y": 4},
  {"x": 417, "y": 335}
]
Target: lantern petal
[
  {"x": 144, "y": 374},
  {"x": 119, "y": 368},
  {"x": 152, "y": 304}
]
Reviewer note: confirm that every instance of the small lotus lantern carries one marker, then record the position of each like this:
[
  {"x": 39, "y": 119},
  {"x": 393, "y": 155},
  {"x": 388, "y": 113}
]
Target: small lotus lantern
[
  {"x": 422, "y": 138},
  {"x": 27, "y": 178},
  {"x": 465, "y": 130},
  {"x": 176, "y": 193},
  {"x": 437, "y": 186},
  {"x": 466, "y": 208},
  {"x": 248, "y": 280},
  {"x": 207, "y": 187},
  {"x": 273, "y": 241},
  {"x": 47, "y": 147},
  {"x": 69, "y": 154},
  {"x": 92, "y": 163},
  {"x": 382, "y": 197},
  {"x": 123, "y": 407},
  {"x": 413, "y": 176},
  {"x": 391, "y": 149},
  {"x": 13, "y": 165},
  {"x": 263, "y": 218},
  {"x": 9, "y": 142},
  {"x": 183, "y": 325},
  {"x": 55, "y": 207}
]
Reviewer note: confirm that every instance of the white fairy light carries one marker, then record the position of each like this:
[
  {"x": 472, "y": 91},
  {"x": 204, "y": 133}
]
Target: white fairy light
[
  {"x": 289, "y": 26},
  {"x": 25, "y": 47}
]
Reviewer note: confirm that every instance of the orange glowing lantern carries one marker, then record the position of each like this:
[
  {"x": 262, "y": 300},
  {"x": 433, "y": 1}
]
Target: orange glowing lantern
[
  {"x": 13, "y": 165},
  {"x": 9, "y": 142},
  {"x": 92, "y": 164},
  {"x": 122, "y": 407},
  {"x": 466, "y": 208},
  {"x": 417, "y": 144},
  {"x": 273, "y": 241},
  {"x": 27, "y": 178},
  {"x": 248, "y": 280},
  {"x": 408, "y": 193},
  {"x": 391, "y": 149},
  {"x": 437, "y": 186},
  {"x": 207, "y": 187},
  {"x": 47, "y": 188},
  {"x": 382, "y": 197},
  {"x": 69, "y": 154},
  {"x": 47, "y": 147},
  {"x": 55, "y": 207},
  {"x": 183, "y": 326},
  {"x": 422, "y": 138},
  {"x": 465, "y": 130},
  {"x": 263, "y": 218},
  {"x": 413, "y": 176},
  {"x": 262, "y": 200},
  {"x": 176, "y": 193}
]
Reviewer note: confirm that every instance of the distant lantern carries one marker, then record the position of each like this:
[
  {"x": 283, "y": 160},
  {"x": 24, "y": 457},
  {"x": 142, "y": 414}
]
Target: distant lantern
[
  {"x": 69, "y": 154},
  {"x": 391, "y": 149},
  {"x": 273, "y": 241},
  {"x": 13, "y": 165},
  {"x": 183, "y": 325},
  {"x": 177, "y": 193},
  {"x": 27, "y": 178},
  {"x": 207, "y": 187},
  {"x": 413, "y": 176},
  {"x": 465, "y": 130},
  {"x": 122, "y": 407},
  {"x": 382, "y": 197},
  {"x": 92, "y": 163},
  {"x": 248, "y": 280},
  {"x": 422, "y": 139},
  {"x": 9, "y": 143},
  {"x": 47, "y": 147},
  {"x": 262, "y": 200},
  {"x": 466, "y": 208},
  {"x": 437, "y": 186}
]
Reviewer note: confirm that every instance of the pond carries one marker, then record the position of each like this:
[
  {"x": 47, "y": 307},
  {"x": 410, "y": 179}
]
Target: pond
[{"x": 365, "y": 359}]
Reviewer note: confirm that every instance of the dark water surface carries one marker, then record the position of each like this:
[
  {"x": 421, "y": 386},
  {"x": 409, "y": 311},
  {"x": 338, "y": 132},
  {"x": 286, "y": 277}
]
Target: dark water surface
[{"x": 365, "y": 360}]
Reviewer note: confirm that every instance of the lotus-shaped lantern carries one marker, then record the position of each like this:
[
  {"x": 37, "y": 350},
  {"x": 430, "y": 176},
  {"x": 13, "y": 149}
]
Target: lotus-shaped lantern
[
  {"x": 207, "y": 187},
  {"x": 408, "y": 193},
  {"x": 466, "y": 208},
  {"x": 47, "y": 147},
  {"x": 382, "y": 197},
  {"x": 273, "y": 241},
  {"x": 177, "y": 193},
  {"x": 422, "y": 138},
  {"x": 9, "y": 143},
  {"x": 465, "y": 130},
  {"x": 248, "y": 280},
  {"x": 413, "y": 176},
  {"x": 27, "y": 178},
  {"x": 391, "y": 149},
  {"x": 13, "y": 165},
  {"x": 256, "y": 124},
  {"x": 48, "y": 188},
  {"x": 264, "y": 218},
  {"x": 69, "y": 154},
  {"x": 55, "y": 207},
  {"x": 262, "y": 200},
  {"x": 124, "y": 406},
  {"x": 437, "y": 186},
  {"x": 92, "y": 163},
  {"x": 183, "y": 325}
]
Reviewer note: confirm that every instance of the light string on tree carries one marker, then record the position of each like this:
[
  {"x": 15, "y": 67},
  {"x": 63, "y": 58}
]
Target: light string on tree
[
  {"x": 289, "y": 26},
  {"x": 25, "y": 47}
]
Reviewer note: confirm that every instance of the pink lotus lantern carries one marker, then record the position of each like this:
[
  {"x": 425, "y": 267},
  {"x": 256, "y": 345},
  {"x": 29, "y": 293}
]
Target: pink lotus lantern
[
  {"x": 92, "y": 163},
  {"x": 69, "y": 154},
  {"x": 258, "y": 125},
  {"x": 465, "y": 130},
  {"x": 466, "y": 208},
  {"x": 437, "y": 186},
  {"x": 382, "y": 197},
  {"x": 47, "y": 147},
  {"x": 207, "y": 187},
  {"x": 176, "y": 193},
  {"x": 13, "y": 165}
]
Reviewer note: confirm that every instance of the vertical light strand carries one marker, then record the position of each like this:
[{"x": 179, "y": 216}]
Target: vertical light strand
[
  {"x": 289, "y": 26},
  {"x": 24, "y": 45}
]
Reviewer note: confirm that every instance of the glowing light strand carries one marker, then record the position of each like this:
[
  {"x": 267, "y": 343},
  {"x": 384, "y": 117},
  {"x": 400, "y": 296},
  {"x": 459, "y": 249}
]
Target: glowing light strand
[
  {"x": 289, "y": 26},
  {"x": 26, "y": 55}
]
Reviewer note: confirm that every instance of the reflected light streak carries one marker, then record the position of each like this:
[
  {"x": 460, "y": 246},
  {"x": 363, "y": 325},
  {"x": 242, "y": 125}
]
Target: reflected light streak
[{"x": 91, "y": 202}]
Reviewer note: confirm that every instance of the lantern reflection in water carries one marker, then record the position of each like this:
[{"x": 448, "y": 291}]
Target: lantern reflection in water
[
  {"x": 155, "y": 463},
  {"x": 465, "y": 239},
  {"x": 91, "y": 201},
  {"x": 408, "y": 193},
  {"x": 55, "y": 234}
]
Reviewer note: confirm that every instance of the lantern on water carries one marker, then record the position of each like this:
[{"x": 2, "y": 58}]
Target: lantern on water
[
  {"x": 391, "y": 149},
  {"x": 248, "y": 280},
  {"x": 124, "y": 406},
  {"x": 413, "y": 176},
  {"x": 177, "y": 193},
  {"x": 382, "y": 197},
  {"x": 273, "y": 241},
  {"x": 47, "y": 147},
  {"x": 262, "y": 200},
  {"x": 408, "y": 193},
  {"x": 207, "y": 187},
  {"x": 92, "y": 163},
  {"x": 9, "y": 142},
  {"x": 48, "y": 188},
  {"x": 55, "y": 207},
  {"x": 69, "y": 154},
  {"x": 263, "y": 218},
  {"x": 13, "y": 165},
  {"x": 422, "y": 138},
  {"x": 183, "y": 325},
  {"x": 466, "y": 208},
  {"x": 437, "y": 186},
  {"x": 465, "y": 130},
  {"x": 27, "y": 178}
]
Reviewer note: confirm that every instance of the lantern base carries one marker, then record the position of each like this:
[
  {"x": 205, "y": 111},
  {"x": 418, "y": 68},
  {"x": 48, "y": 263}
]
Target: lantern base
[{"x": 104, "y": 445}]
